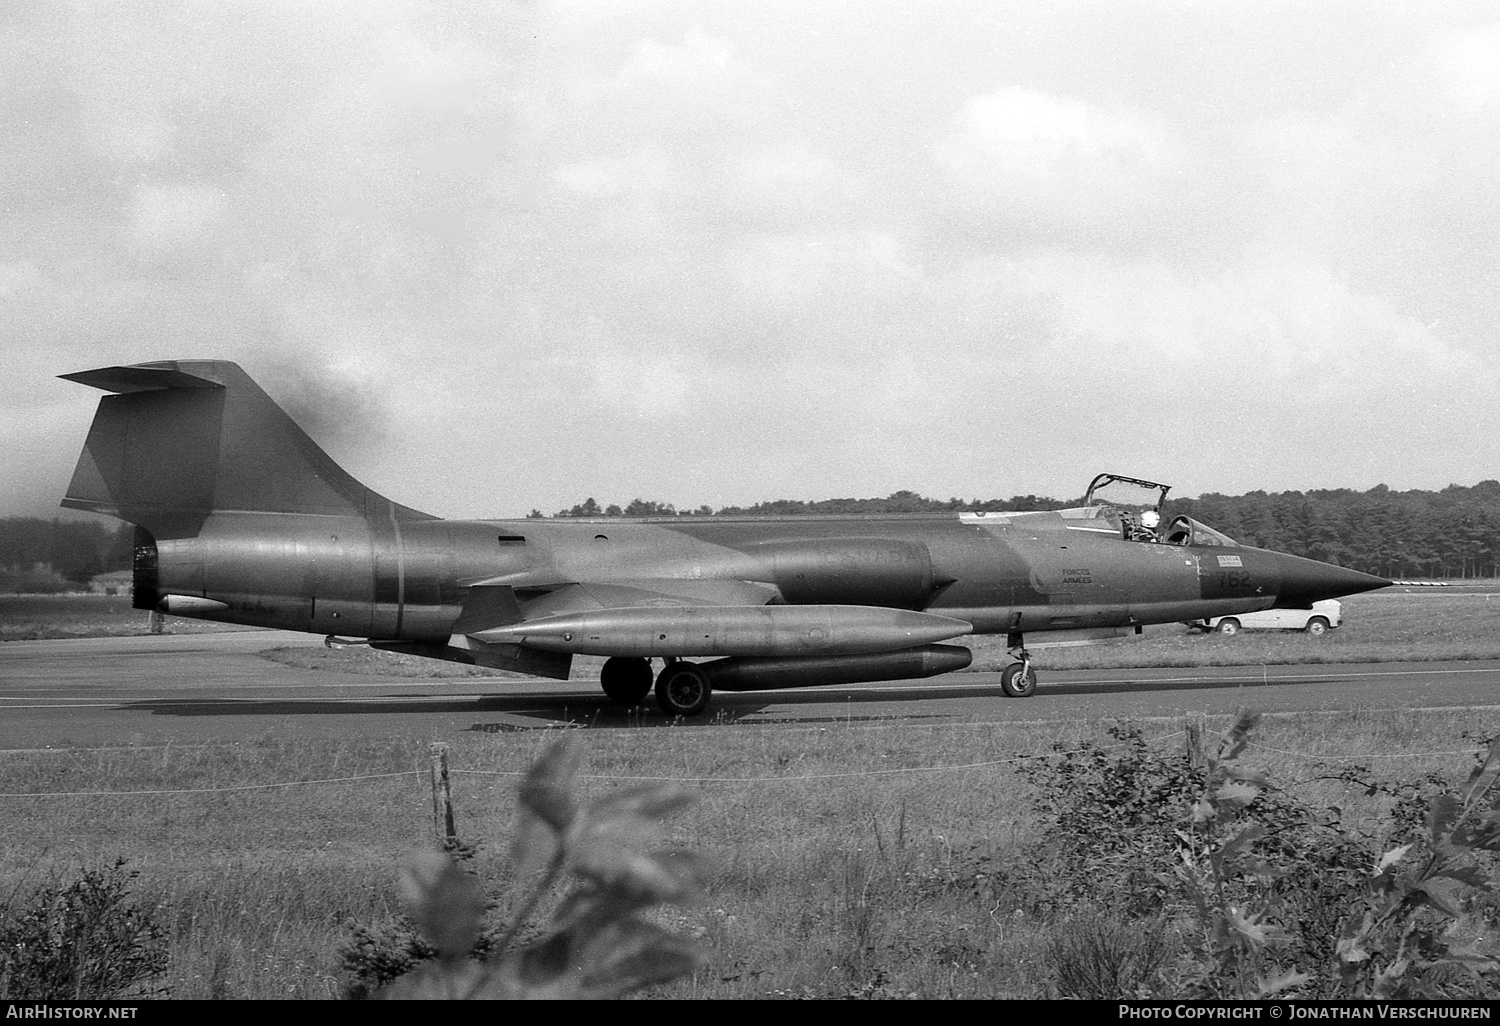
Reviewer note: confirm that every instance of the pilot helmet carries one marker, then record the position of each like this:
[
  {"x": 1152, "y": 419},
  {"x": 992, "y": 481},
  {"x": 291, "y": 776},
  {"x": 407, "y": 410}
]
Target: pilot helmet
[{"x": 1150, "y": 518}]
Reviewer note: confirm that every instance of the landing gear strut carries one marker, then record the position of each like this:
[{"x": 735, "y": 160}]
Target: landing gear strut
[
  {"x": 626, "y": 681},
  {"x": 1018, "y": 679},
  {"x": 682, "y": 689}
]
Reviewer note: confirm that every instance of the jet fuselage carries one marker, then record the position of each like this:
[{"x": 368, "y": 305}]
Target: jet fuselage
[{"x": 381, "y": 578}]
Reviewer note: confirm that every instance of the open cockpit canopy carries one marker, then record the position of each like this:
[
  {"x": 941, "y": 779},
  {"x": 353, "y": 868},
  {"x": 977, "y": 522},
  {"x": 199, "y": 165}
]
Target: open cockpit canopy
[
  {"x": 1126, "y": 493},
  {"x": 1137, "y": 507}
]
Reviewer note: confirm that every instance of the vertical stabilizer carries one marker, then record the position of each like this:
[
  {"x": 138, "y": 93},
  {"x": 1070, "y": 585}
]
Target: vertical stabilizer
[{"x": 182, "y": 439}]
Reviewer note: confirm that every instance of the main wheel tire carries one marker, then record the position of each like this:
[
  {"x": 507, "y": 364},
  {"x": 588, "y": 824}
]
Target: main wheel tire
[
  {"x": 682, "y": 689},
  {"x": 626, "y": 680},
  {"x": 1228, "y": 626},
  {"x": 1018, "y": 680},
  {"x": 1317, "y": 626}
]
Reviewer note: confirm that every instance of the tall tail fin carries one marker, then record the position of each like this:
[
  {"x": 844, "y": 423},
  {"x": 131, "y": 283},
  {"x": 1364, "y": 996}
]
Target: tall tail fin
[{"x": 181, "y": 439}]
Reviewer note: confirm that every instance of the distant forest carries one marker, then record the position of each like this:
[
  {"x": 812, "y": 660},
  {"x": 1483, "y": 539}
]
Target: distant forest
[
  {"x": 53, "y": 555},
  {"x": 1404, "y": 535}
]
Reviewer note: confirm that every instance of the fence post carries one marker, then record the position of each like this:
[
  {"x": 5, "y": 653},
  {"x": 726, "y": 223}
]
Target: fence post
[
  {"x": 442, "y": 795},
  {"x": 1195, "y": 752}
]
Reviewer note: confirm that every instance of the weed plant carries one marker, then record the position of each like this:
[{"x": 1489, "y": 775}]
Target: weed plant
[
  {"x": 1265, "y": 895},
  {"x": 84, "y": 940},
  {"x": 597, "y": 943},
  {"x": 1096, "y": 954}
]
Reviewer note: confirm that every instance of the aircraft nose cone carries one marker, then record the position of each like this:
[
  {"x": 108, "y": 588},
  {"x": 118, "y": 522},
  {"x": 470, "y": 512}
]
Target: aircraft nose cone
[{"x": 1305, "y": 581}]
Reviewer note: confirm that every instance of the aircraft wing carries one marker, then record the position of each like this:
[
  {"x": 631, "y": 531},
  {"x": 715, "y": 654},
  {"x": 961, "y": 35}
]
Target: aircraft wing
[
  {"x": 498, "y": 605},
  {"x": 647, "y": 592},
  {"x": 491, "y": 627}
]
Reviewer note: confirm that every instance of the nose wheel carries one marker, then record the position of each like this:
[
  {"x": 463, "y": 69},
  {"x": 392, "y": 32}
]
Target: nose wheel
[{"x": 1018, "y": 679}]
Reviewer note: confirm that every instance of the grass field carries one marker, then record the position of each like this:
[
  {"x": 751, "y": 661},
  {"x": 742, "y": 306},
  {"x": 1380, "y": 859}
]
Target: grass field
[{"x": 851, "y": 860}]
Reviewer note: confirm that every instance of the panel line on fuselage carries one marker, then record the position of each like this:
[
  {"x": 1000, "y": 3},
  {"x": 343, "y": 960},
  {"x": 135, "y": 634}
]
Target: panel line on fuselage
[{"x": 400, "y": 567}]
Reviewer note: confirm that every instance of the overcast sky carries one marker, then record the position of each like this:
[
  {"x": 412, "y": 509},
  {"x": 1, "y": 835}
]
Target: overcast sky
[{"x": 502, "y": 256}]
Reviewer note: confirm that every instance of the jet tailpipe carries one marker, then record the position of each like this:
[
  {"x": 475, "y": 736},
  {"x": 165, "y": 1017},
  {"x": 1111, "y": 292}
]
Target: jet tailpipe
[{"x": 764, "y": 674}]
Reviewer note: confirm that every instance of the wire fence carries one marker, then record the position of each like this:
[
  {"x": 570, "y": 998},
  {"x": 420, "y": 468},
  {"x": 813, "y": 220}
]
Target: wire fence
[{"x": 715, "y": 779}]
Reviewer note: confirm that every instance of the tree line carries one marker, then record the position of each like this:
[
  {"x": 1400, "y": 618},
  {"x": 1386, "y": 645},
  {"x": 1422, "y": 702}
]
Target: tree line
[
  {"x": 1452, "y": 533},
  {"x": 55, "y": 553},
  {"x": 896, "y": 502}
]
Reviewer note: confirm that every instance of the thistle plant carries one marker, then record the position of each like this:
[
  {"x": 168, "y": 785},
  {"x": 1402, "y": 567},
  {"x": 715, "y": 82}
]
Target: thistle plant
[
  {"x": 597, "y": 942},
  {"x": 1217, "y": 859},
  {"x": 1412, "y": 935}
]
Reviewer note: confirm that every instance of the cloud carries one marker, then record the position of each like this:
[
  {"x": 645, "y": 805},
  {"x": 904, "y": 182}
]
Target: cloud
[
  {"x": 1060, "y": 158},
  {"x": 173, "y": 221},
  {"x": 645, "y": 170},
  {"x": 790, "y": 272},
  {"x": 20, "y": 281},
  {"x": 795, "y": 188},
  {"x": 654, "y": 388},
  {"x": 655, "y": 64},
  {"x": 1467, "y": 65},
  {"x": 1274, "y": 319}
]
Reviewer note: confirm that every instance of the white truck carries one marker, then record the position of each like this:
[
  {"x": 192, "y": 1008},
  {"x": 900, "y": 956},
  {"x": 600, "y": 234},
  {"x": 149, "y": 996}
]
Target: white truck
[{"x": 1320, "y": 619}]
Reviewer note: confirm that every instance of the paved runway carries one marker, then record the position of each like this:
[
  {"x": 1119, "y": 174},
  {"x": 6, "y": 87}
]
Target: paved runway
[{"x": 199, "y": 687}]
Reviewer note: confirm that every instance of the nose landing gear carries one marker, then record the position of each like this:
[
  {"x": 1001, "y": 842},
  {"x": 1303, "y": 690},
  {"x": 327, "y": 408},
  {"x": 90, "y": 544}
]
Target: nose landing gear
[{"x": 1018, "y": 679}]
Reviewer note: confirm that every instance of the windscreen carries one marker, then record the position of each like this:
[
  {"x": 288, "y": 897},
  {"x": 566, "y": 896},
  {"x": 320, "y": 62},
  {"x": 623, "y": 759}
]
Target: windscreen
[{"x": 1202, "y": 534}]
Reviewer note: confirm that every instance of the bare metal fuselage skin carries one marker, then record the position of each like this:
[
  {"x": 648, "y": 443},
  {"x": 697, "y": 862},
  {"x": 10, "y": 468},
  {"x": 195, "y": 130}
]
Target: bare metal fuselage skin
[{"x": 244, "y": 519}]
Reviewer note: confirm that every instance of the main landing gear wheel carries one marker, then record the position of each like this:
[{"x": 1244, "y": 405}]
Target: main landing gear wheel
[
  {"x": 682, "y": 689},
  {"x": 625, "y": 680},
  {"x": 1228, "y": 626},
  {"x": 1018, "y": 680}
]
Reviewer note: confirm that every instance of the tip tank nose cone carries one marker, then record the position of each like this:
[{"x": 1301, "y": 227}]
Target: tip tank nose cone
[{"x": 1305, "y": 581}]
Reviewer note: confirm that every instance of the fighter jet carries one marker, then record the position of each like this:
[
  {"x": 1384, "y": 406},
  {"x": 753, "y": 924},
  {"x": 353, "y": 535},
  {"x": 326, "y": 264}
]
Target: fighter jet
[{"x": 241, "y": 518}]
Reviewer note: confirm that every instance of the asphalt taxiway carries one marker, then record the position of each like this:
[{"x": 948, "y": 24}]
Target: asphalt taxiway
[{"x": 200, "y": 687}]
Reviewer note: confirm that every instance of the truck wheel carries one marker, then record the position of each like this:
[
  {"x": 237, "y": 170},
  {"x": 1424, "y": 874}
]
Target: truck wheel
[
  {"x": 1228, "y": 626},
  {"x": 1317, "y": 626}
]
